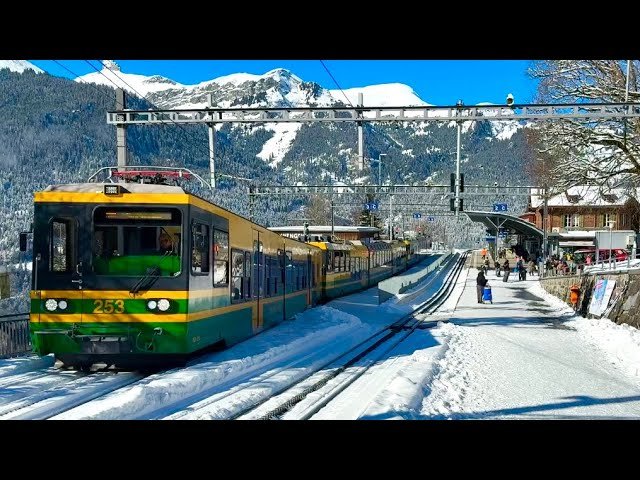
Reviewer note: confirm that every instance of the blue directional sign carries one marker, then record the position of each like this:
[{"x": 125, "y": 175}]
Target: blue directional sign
[
  {"x": 431, "y": 219},
  {"x": 417, "y": 215},
  {"x": 371, "y": 206},
  {"x": 499, "y": 207}
]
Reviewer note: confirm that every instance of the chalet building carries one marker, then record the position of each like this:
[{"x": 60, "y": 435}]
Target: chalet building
[
  {"x": 585, "y": 208},
  {"x": 576, "y": 214}
]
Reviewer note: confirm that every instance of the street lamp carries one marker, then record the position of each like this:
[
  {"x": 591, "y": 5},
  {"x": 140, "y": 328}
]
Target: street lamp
[{"x": 610, "y": 225}]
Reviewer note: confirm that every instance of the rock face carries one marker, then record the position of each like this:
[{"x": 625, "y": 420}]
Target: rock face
[{"x": 624, "y": 301}]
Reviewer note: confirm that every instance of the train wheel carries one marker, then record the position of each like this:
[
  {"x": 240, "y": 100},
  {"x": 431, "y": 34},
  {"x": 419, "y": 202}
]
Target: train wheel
[{"x": 84, "y": 367}]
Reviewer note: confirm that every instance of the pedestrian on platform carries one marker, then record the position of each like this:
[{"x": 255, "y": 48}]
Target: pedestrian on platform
[{"x": 481, "y": 281}]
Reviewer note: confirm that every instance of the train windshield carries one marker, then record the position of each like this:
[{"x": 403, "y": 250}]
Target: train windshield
[{"x": 132, "y": 241}]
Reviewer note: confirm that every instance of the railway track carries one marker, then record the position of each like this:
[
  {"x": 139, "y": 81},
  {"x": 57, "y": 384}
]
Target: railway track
[{"x": 309, "y": 380}]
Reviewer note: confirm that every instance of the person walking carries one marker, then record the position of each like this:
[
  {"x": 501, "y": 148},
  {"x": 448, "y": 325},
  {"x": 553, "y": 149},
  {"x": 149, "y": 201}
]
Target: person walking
[
  {"x": 481, "y": 281},
  {"x": 506, "y": 269}
]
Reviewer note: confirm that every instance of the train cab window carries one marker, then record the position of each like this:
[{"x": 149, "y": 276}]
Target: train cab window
[
  {"x": 134, "y": 241},
  {"x": 63, "y": 245},
  {"x": 199, "y": 249},
  {"x": 220, "y": 258}
]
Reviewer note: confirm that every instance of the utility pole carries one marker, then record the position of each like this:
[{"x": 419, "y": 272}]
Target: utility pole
[
  {"x": 332, "y": 222},
  {"x": 121, "y": 130},
  {"x": 212, "y": 146},
  {"x": 360, "y": 136},
  {"x": 459, "y": 129},
  {"x": 390, "y": 217},
  {"x": 545, "y": 217},
  {"x": 251, "y": 202}
]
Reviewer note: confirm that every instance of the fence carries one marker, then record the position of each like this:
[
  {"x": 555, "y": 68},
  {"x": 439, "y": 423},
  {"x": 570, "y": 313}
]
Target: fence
[{"x": 14, "y": 335}]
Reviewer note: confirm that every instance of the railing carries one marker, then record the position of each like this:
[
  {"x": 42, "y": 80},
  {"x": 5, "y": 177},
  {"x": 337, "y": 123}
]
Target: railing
[{"x": 14, "y": 335}]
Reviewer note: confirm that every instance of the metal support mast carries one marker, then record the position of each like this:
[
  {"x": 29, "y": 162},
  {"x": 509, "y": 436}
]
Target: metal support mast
[
  {"x": 121, "y": 129},
  {"x": 360, "y": 136},
  {"x": 212, "y": 146},
  {"x": 459, "y": 129}
]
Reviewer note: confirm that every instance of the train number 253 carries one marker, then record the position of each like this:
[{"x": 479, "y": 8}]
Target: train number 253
[{"x": 108, "y": 306}]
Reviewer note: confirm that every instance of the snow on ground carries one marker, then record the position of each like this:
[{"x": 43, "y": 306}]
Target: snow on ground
[
  {"x": 277, "y": 146},
  {"x": 15, "y": 366},
  {"x": 341, "y": 323},
  {"x": 525, "y": 356}
]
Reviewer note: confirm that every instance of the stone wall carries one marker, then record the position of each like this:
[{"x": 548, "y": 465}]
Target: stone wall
[{"x": 625, "y": 297}]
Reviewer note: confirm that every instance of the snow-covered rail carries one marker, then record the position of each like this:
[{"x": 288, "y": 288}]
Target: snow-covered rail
[
  {"x": 303, "y": 381},
  {"x": 38, "y": 395}
]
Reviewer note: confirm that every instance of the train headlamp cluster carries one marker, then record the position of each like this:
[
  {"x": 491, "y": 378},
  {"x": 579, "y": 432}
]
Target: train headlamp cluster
[
  {"x": 52, "y": 305},
  {"x": 159, "y": 305}
]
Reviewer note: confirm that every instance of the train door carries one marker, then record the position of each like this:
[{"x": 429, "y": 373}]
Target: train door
[
  {"x": 258, "y": 276},
  {"x": 283, "y": 280},
  {"x": 63, "y": 269},
  {"x": 310, "y": 277}
]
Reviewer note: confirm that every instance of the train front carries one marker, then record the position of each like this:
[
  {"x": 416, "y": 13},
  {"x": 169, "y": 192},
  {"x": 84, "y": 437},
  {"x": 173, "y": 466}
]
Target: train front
[{"x": 109, "y": 283}]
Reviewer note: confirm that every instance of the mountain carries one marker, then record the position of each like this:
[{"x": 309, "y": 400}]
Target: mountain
[
  {"x": 55, "y": 131},
  {"x": 19, "y": 66},
  {"x": 276, "y": 88}
]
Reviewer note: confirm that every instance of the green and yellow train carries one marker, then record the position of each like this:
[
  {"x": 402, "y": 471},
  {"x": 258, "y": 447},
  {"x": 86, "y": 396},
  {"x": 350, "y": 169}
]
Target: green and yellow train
[{"x": 137, "y": 274}]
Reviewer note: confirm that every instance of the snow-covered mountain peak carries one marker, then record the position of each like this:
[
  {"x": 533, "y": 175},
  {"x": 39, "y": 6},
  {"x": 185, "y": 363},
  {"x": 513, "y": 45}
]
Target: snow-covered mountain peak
[
  {"x": 382, "y": 95},
  {"x": 282, "y": 74},
  {"x": 19, "y": 66},
  {"x": 131, "y": 82}
]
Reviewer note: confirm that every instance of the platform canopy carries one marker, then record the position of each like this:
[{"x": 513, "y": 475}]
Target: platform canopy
[{"x": 494, "y": 220}]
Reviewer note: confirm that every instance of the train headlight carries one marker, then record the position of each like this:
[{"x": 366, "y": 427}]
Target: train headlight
[
  {"x": 152, "y": 304},
  {"x": 163, "y": 304},
  {"x": 51, "y": 304},
  {"x": 62, "y": 304}
]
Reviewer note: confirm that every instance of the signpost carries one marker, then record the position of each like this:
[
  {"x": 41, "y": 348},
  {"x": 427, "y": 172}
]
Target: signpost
[
  {"x": 499, "y": 207},
  {"x": 431, "y": 219},
  {"x": 417, "y": 215}
]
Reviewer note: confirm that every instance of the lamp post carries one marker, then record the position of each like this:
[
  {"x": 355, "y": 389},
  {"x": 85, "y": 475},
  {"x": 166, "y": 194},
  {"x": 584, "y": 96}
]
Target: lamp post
[
  {"x": 459, "y": 133},
  {"x": 610, "y": 225}
]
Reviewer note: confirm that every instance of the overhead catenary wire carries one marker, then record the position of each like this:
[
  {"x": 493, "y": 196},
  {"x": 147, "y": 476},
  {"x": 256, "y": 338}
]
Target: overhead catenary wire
[
  {"x": 86, "y": 83},
  {"x": 209, "y": 151},
  {"x": 184, "y": 130},
  {"x": 337, "y": 84}
]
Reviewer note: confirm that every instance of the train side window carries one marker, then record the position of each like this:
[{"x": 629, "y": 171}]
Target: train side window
[
  {"x": 290, "y": 271},
  {"x": 62, "y": 253},
  {"x": 220, "y": 258},
  {"x": 200, "y": 249},
  {"x": 298, "y": 275},
  {"x": 247, "y": 275},
  {"x": 237, "y": 274},
  {"x": 282, "y": 270}
]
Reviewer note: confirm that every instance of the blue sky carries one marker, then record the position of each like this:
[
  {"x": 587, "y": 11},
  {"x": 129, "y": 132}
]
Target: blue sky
[{"x": 440, "y": 82}]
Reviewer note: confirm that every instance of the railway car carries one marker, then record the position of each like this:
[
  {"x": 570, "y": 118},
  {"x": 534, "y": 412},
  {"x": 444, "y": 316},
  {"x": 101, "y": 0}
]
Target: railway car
[
  {"x": 134, "y": 274},
  {"x": 147, "y": 274}
]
